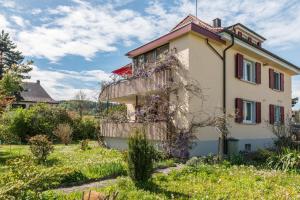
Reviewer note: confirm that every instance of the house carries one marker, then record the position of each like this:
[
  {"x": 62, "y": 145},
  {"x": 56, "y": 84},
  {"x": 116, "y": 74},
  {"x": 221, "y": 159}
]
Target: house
[
  {"x": 33, "y": 93},
  {"x": 239, "y": 76}
]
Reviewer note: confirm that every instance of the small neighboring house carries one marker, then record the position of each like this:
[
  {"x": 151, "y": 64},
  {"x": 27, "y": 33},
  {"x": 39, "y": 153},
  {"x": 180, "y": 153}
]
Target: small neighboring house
[
  {"x": 33, "y": 93},
  {"x": 240, "y": 75}
]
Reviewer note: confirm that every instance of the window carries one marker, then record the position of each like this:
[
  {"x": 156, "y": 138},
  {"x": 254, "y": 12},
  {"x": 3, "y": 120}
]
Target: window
[
  {"x": 249, "y": 71},
  {"x": 249, "y": 112},
  {"x": 247, "y": 147},
  {"x": 277, "y": 114},
  {"x": 277, "y": 81}
]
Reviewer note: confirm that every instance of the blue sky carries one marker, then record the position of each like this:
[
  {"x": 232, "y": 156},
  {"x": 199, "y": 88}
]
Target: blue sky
[{"x": 75, "y": 44}]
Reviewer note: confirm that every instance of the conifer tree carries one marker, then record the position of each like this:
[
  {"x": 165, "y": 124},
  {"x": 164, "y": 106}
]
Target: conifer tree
[{"x": 11, "y": 60}]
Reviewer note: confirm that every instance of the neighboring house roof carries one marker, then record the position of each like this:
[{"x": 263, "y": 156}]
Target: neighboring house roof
[
  {"x": 191, "y": 23},
  {"x": 34, "y": 92}
]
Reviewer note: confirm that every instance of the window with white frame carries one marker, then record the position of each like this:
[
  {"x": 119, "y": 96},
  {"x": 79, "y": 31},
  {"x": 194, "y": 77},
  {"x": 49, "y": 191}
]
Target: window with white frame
[
  {"x": 277, "y": 81},
  {"x": 249, "y": 71},
  {"x": 277, "y": 114},
  {"x": 249, "y": 112}
]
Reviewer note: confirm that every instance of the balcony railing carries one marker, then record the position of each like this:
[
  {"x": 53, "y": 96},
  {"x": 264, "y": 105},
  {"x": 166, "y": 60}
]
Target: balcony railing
[
  {"x": 135, "y": 86},
  {"x": 154, "y": 131}
]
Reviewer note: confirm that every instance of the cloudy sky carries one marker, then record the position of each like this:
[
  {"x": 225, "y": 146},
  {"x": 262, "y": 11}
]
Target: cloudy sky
[{"x": 75, "y": 44}]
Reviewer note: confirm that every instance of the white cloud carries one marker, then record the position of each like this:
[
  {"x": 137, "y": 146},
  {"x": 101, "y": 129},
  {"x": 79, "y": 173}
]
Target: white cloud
[
  {"x": 19, "y": 21},
  {"x": 84, "y": 29},
  {"x": 8, "y": 4},
  {"x": 65, "y": 84}
]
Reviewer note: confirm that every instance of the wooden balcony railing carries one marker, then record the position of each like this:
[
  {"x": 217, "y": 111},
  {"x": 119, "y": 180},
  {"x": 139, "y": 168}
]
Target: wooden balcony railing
[
  {"x": 154, "y": 131},
  {"x": 135, "y": 86}
]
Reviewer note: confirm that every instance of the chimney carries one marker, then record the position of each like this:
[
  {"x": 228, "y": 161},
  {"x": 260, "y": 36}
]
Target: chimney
[
  {"x": 38, "y": 81},
  {"x": 217, "y": 23}
]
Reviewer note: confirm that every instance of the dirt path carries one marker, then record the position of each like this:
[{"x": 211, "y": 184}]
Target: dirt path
[{"x": 107, "y": 182}]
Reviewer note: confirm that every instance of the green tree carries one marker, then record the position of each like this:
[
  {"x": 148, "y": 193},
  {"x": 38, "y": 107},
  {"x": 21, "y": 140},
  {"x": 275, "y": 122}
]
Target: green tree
[
  {"x": 11, "y": 59},
  {"x": 141, "y": 155}
]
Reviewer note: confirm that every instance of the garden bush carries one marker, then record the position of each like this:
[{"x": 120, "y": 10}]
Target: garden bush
[
  {"x": 40, "y": 147},
  {"x": 64, "y": 133},
  {"x": 286, "y": 160},
  {"x": 140, "y": 157},
  {"x": 84, "y": 145},
  {"x": 41, "y": 118},
  {"x": 84, "y": 128}
]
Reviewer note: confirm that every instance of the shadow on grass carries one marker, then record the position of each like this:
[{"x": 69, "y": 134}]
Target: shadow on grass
[
  {"x": 5, "y": 156},
  {"x": 51, "y": 162},
  {"x": 154, "y": 188}
]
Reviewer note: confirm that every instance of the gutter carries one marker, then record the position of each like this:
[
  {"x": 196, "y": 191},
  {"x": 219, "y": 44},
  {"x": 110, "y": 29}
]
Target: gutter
[{"x": 262, "y": 52}]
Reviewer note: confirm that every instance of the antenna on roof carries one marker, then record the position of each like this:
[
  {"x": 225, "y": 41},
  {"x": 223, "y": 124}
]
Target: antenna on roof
[{"x": 197, "y": 8}]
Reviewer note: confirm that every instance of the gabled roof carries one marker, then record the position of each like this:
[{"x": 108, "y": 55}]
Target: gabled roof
[
  {"x": 34, "y": 92},
  {"x": 192, "y": 19},
  {"x": 179, "y": 31},
  {"x": 191, "y": 23}
]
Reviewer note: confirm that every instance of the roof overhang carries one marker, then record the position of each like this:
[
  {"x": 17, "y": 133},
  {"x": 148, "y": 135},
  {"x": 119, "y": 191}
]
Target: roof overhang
[
  {"x": 173, "y": 35},
  {"x": 262, "y": 52},
  {"x": 246, "y": 29}
]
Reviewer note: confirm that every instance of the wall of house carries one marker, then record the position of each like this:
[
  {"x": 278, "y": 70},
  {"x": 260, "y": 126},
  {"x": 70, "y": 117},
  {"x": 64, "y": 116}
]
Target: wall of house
[{"x": 206, "y": 67}]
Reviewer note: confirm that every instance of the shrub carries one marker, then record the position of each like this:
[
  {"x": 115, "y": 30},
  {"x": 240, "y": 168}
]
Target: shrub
[
  {"x": 140, "y": 157},
  {"x": 209, "y": 159},
  {"x": 84, "y": 129},
  {"x": 64, "y": 133},
  {"x": 84, "y": 145},
  {"x": 41, "y": 118},
  {"x": 288, "y": 159},
  {"x": 25, "y": 180},
  {"x": 40, "y": 147}
]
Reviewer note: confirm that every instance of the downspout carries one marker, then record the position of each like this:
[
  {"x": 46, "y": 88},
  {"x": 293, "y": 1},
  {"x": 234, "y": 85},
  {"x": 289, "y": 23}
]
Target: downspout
[
  {"x": 223, "y": 58},
  {"x": 224, "y": 71}
]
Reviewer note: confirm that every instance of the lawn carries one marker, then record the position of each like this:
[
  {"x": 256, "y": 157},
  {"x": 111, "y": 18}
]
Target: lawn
[
  {"x": 206, "y": 182},
  {"x": 94, "y": 163},
  {"x": 80, "y": 166}
]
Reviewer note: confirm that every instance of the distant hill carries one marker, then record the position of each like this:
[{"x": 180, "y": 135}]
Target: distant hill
[{"x": 88, "y": 107}]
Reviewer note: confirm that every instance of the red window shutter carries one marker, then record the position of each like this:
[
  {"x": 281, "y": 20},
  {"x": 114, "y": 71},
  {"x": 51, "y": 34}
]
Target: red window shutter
[
  {"x": 239, "y": 109},
  {"x": 282, "y": 114},
  {"x": 240, "y": 34},
  {"x": 271, "y": 113},
  {"x": 271, "y": 78},
  {"x": 239, "y": 66},
  {"x": 258, "y": 112},
  {"x": 258, "y": 72},
  {"x": 281, "y": 81}
]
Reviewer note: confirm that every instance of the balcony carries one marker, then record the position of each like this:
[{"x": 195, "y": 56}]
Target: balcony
[
  {"x": 154, "y": 131},
  {"x": 135, "y": 86}
]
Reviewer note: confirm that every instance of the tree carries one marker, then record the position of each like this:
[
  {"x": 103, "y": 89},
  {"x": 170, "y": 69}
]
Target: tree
[
  {"x": 11, "y": 59},
  {"x": 80, "y": 99},
  {"x": 12, "y": 70}
]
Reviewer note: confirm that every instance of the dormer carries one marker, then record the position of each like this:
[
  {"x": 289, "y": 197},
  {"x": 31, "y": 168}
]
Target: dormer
[{"x": 247, "y": 34}]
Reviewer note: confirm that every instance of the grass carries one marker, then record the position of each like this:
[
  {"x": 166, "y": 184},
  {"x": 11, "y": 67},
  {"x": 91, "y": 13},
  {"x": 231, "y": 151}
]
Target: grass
[
  {"x": 95, "y": 163},
  {"x": 206, "y": 182}
]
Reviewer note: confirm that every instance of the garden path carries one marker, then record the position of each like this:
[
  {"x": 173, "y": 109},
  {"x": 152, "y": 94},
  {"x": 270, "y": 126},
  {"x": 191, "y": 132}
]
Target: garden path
[{"x": 107, "y": 182}]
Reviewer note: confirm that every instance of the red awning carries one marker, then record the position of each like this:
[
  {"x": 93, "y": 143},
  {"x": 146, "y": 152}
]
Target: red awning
[{"x": 124, "y": 71}]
